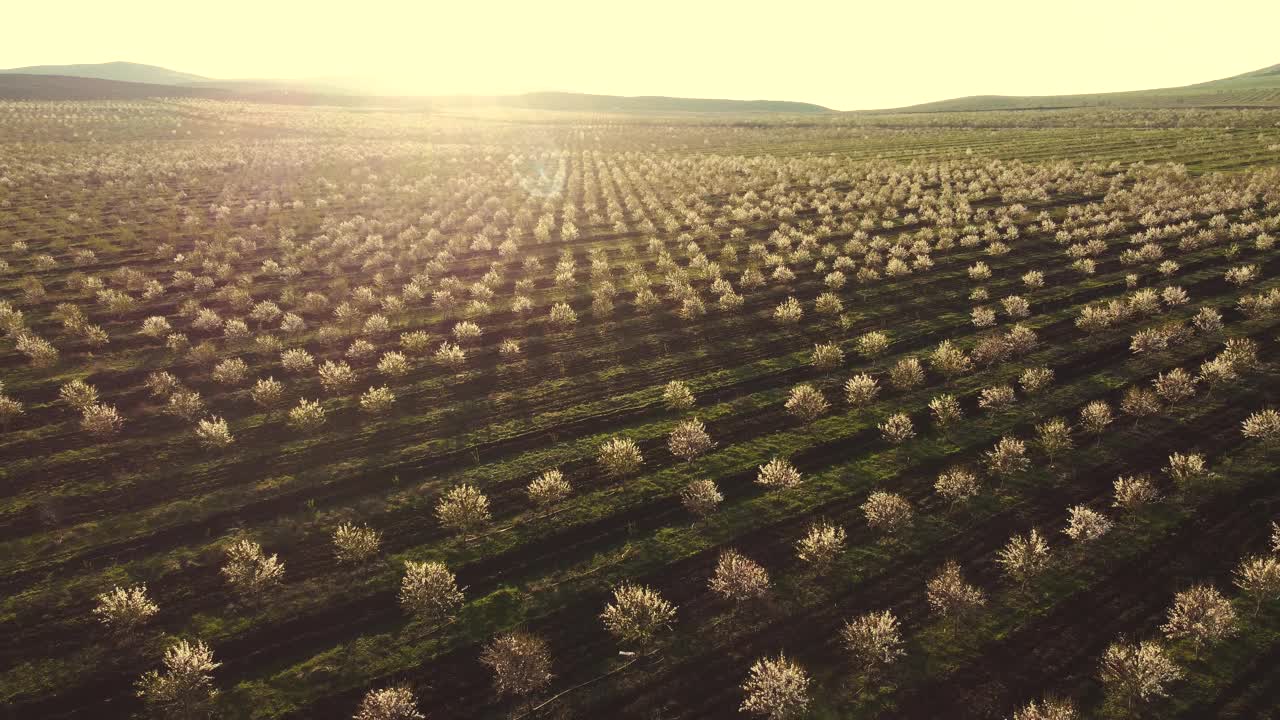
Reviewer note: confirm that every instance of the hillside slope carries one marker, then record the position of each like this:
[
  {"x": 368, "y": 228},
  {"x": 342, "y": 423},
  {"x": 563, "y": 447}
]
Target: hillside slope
[
  {"x": 118, "y": 71},
  {"x": 60, "y": 87},
  {"x": 45, "y": 86},
  {"x": 1260, "y": 88},
  {"x": 578, "y": 102}
]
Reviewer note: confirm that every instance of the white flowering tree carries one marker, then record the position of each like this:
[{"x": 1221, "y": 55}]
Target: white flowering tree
[
  {"x": 268, "y": 394},
  {"x": 548, "y": 488},
  {"x": 906, "y": 374},
  {"x": 949, "y": 360},
  {"x": 430, "y": 591},
  {"x": 1264, "y": 427},
  {"x": 213, "y": 432},
  {"x": 1095, "y": 417},
  {"x": 1034, "y": 380},
  {"x": 872, "y": 344},
  {"x": 355, "y": 544},
  {"x": 125, "y": 610},
  {"x": 1189, "y": 471},
  {"x": 887, "y": 513},
  {"x": 689, "y": 439},
  {"x": 79, "y": 394},
  {"x": 450, "y": 356},
  {"x": 562, "y": 317},
  {"x": 1134, "y": 492},
  {"x": 873, "y": 641},
  {"x": 957, "y": 485},
  {"x": 788, "y": 312},
  {"x": 620, "y": 457},
  {"x": 1007, "y": 458},
  {"x": 701, "y": 497},
  {"x": 677, "y": 395},
  {"x": 464, "y": 509},
  {"x": 1137, "y": 672},
  {"x": 336, "y": 377},
  {"x": 1024, "y": 557},
  {"x": 806, "y": 403},
  {"x": 1258, "y": 577},
  {"x": 1140, "y": 403},
  {"x": 638, "y": 615},
  {"x": 946, "y": 412},
  {"x": 820, "y": 545},
  {"x": 1175, "y": 386},
  {"x": 186, "y": 404},
  {"x": 10, "y": 410},
  {"x": 1202, "y": 616},
  {"x": 739, "y": 579},
  {"x": 377, "y": 400},
  {"x": 1084, "y": 524},
  {"x": 389, "y": 703},
  {"x": 861, "y": 389},
  {"x": 1053, "y": 437},
  {"x": 897, "y": 429},
  {"x": 101, "y": 420},
  {"x": 778, "y": 474},
  {"x": 1047, "y": 709},
  {"x": 777, "y": 689},
  {"x": 950, "y": 596},
  {"x": 520, "y": 662},
  {"x": 183, "y": 688},
  {"x": 250, "y": 571},
  {"x": 827, "y": 356},
  {"x": 307, "y": 416}
]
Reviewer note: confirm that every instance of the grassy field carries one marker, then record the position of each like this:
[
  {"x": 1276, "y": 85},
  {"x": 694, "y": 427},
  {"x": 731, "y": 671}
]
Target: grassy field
[{"x": 674, "y": 240}]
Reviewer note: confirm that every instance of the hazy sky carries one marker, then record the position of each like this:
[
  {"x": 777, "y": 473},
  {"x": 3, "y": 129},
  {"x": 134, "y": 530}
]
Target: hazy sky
[{"x": 847, "y": 55}]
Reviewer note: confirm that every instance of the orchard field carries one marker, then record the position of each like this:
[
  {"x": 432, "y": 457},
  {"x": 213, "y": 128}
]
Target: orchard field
[{"x": 319, "y": 413}]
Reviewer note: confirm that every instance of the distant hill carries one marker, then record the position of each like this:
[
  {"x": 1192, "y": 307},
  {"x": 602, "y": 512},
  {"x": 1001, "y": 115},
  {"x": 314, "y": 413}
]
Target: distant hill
[
  {"x": 1263, "y": 73},
  {"x": 254, "y": 85},
  {"x": 562, "y": 101},
  {"x": 1257, "y": 89},
  {"x": 59, "y": 87},
  {"x": 118, "y": 71},
  {"x": 650, "y": 103},
  {"x": 61, "y": 82}
]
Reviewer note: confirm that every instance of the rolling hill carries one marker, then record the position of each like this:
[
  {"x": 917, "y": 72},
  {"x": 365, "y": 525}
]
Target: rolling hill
[
  {"x": 62, "y": 87},
  {"x": 113, "y": 81},
  {"x": 1259, "y": 88},
  {"x": 125, "y": 80},
  {"x": 118, "y": 71},
  {"x": 578, "y": 102}
]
